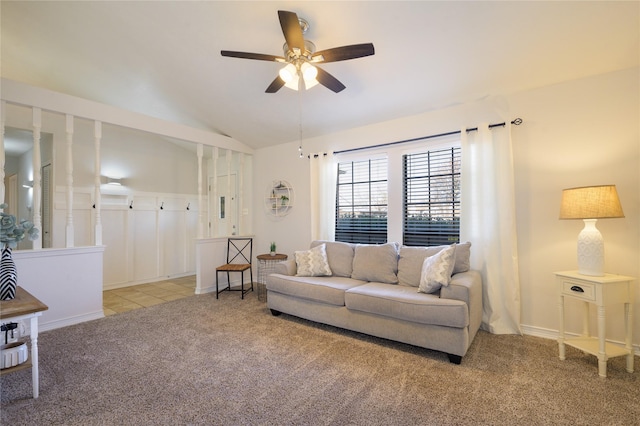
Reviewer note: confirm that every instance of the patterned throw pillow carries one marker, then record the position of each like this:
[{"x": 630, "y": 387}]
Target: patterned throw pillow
[
  {"x": 436, "y": 270},
  {"x": 313, "y": 262}
]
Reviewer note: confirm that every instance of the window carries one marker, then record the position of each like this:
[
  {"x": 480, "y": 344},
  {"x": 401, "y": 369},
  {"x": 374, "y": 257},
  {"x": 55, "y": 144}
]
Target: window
[
  {"x": 432, "y": 198},
  {"x": 361, "y": 201}
]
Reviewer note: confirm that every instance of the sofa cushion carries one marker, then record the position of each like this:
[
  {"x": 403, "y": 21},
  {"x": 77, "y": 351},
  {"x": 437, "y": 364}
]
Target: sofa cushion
[
  {"x": 339, "y": 256},
  {"x": 312, "y": 262},
  {"x": 407, "y": 304},
  {"x": 320, "y": 289},
  {"x": 436, "y": 270},
  {"x": 411, "y": 260},
  {"x": 377, "y": 263}
]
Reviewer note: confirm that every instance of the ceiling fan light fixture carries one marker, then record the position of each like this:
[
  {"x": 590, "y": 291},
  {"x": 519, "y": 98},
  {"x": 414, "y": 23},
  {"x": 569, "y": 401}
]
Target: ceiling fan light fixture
[
  {"x": 288, "y": 73},
  {"x": 308, "y": 84},
  {"x": 309, "y": 72},
  {"x": 294, "y": 83}
]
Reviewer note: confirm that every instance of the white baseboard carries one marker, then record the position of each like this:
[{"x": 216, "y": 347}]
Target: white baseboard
[
  {"x": 52, "y": 325},
  {"x": 113, "y": 286},
  {"x": 546, "y": 333}
]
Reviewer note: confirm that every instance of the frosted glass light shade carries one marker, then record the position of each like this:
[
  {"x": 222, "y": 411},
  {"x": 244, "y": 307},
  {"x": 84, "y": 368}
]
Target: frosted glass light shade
[
  {"x": 288, "y": 73},
  {"x": 590, "y": 203},
  {"x": 294, "y": 83},
  {"x": 309, "y": 72}
]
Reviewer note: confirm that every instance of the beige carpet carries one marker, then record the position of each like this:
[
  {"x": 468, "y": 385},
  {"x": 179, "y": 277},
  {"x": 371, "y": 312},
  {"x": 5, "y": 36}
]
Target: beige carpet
[{"x": 202, "y": 361}]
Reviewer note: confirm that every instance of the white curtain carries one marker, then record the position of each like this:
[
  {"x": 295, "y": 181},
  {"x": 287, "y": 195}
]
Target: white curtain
[
  {"x": 489, "y": 222},
  {"x": 323, "y": 171}
]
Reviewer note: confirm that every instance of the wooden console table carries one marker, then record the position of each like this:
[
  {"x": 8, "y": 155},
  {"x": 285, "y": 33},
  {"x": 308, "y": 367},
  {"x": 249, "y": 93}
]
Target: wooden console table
[{"x": 25, "y": 306}]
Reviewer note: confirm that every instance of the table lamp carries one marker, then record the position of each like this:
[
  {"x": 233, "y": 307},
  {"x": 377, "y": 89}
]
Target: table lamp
[{"x": 590, "y": 203}]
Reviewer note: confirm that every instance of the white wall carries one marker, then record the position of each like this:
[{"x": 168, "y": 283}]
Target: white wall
[
  {"x": 68, "y": 281},
  {"x": 584, "y": 132},
  {"x": 580, "y": 132}
]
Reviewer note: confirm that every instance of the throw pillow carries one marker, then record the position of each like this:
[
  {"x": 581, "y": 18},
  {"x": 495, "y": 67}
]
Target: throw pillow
[
  {"x": 339, "y": 255},
  {"x": 376, "y": 263},
  {"x": 463, "y": 258},
  {"x": 412, "y": 258},
  {"x": 436, "y": 270},
  {"x": 313, "y": 262}
]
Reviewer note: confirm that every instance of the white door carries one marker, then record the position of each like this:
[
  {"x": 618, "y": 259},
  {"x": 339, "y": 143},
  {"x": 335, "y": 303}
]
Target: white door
[{"x": 224, "y": 206}]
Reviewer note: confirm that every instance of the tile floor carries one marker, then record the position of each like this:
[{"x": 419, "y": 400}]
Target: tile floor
[{"x": 143, "y": 295}]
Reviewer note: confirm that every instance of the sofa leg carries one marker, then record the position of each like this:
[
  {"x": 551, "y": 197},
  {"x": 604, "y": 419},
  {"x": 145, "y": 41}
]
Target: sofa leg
[
  {"x": 275, "y": 313},
  {"x": 454, "y": 359}
]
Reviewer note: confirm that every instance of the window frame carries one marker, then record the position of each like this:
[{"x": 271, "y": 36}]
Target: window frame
[
  {"x": 370, "y": 234},
  {"x": 447, "y": 232}
]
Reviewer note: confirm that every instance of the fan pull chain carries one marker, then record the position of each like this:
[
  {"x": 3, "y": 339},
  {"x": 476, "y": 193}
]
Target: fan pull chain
[{"x": 300, "y": 153}]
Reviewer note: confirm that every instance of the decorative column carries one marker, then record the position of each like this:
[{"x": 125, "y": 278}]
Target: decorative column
[
  {"x": 228, "y": 201},
  {"x": 97, "y": 133},
  {"x": 215, "y": 213},
  {"x": 200, "y": 149},
  {"x": 69, "y": 236},
  {"x": 37, "y": 172},
  {"x": 3, "y": 107},
  {"x": 241, "y": 227}
]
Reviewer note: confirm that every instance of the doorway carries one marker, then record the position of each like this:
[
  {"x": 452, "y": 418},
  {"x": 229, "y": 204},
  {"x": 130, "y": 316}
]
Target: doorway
[{"x": 223, "y": 206}]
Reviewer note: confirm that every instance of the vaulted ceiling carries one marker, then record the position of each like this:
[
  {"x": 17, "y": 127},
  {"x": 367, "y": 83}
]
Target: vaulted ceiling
[{"x": 163, "y": 58}]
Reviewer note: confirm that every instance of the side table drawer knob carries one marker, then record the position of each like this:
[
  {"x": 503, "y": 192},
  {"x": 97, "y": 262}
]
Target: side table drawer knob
[{"x": 577, "y": 288}]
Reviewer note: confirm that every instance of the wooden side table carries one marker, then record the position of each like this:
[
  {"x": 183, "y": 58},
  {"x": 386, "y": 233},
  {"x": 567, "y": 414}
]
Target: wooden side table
[
  {"x": 266, "y": 265},
  {"x": 25, "y": 306},
  {"x": 600, "y": 291}
]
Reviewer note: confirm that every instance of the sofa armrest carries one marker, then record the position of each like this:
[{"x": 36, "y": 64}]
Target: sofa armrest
[
  {"x": 467, "y": 287},
  {"x": 286, "y": 267}
]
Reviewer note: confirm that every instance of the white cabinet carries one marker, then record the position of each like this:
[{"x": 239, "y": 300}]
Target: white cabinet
[{"x": 602, "y": 292}]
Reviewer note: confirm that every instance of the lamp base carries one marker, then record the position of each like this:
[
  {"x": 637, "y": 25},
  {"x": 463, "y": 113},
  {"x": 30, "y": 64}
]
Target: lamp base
[{"x": 590, "y": 250}]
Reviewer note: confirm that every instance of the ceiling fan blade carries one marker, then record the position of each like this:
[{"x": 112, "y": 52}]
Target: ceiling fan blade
[
  {"x": 291, "y": 29},
  {"x": 329, "y": 81},
  {"x": 344, "y": 53},
  {"x": 257, "y": 56},
  {"x": 275, "y": 85}
]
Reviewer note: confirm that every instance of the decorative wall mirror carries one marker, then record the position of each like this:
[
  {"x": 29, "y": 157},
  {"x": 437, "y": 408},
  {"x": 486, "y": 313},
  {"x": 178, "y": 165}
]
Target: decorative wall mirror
[{"x": 18, "y": 179}]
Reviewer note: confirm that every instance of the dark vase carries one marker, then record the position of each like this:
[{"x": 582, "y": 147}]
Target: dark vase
[{"x": 8, "y": 275}]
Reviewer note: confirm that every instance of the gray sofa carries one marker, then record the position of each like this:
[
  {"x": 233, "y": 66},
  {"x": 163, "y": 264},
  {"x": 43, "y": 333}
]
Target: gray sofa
[{"x": 374, "y": 289}]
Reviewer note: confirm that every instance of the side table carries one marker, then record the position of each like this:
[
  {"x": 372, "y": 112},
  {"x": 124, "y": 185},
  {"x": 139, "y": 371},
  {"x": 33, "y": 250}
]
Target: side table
[
  {"x": 266, "y": 265},
  {"x": 25, "y": 306},
  {"x": 601, "y": 291}
]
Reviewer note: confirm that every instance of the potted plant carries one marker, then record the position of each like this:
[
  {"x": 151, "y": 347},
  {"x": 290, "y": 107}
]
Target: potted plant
[
  {"x": 272, "y": 248},
  {"x": 284, "y": 200}
]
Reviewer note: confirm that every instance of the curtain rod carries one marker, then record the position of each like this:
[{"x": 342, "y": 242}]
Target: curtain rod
[{"x": 517, "y": 122}]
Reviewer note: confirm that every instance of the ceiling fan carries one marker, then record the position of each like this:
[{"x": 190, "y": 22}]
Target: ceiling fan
[{"x": 300, "y": 56}]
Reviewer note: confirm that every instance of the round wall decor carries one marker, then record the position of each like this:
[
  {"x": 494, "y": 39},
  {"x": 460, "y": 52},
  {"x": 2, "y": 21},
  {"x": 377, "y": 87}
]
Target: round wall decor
[{"x": 279, "y": 198}]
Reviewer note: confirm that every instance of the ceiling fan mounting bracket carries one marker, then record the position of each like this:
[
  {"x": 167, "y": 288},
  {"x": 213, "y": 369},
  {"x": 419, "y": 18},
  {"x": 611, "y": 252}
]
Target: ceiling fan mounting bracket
[{"x": 295, "y": 54}]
